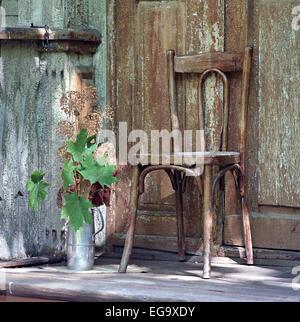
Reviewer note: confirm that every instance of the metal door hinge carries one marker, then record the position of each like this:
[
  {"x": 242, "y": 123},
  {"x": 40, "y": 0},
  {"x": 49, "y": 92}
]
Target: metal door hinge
[{"x": 45, "y": 42}]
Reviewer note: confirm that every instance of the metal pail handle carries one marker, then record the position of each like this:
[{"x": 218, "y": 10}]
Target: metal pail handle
[{"x": 102, "y": 220}]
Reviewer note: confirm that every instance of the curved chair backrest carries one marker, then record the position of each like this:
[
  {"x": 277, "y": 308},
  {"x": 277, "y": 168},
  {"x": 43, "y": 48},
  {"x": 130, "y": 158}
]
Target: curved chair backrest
[{"x": 204, "y": 64}]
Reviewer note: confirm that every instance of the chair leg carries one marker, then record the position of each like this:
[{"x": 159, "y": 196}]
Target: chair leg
[
  {"x": 208, "y": 220},
  {"x": 134, "y": 196},
  {"x": 247, "y": 232},
  {"x": 179, "y": 214}
]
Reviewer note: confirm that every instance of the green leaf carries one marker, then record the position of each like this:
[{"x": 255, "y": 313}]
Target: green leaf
[
  {"x": 89, "y": 150},
  {"x": 94, "y": 172},
  {"x": 105, "y": 176},
  {"x": 36, "y": 187},
  {"x": 68, "y": 174},
  {"x": 77, "y": 209},
  {"x": 77, "y": 148},
  {"x": 37, "y": 176}
]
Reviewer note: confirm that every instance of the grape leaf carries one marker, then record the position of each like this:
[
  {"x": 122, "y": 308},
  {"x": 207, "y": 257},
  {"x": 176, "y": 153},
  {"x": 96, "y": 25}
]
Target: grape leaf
[
  {"x": 105, "y": 177},
  {"x": 77, "y": 209},
  {"x": 37, "y": 176},
  {"x": 36, "y": 188},
  {"x": 94, "y": 172},
  {"x": 90, "y": 149},
  {"x": 68, "y": 174},
  {"x": 77, "y": 148}
]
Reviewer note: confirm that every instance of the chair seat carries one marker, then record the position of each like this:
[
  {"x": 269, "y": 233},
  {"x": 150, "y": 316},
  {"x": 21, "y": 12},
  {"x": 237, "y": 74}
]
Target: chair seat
[{"x": 191, "y": 158}]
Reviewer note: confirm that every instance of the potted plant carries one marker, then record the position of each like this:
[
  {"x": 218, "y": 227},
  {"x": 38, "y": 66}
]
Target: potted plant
[{"x": 86, "y": 176}]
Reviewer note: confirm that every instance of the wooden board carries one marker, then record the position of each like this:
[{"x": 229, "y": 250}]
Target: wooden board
[
  {"x": 138, "y": 90},
  {"x": 168, "y": 281},
  {"x": 4, "y": 298},
  {"x": 226, "y": 62},
  {"x": 269, "y": 230},
  {"x": 272, "y": 156},
  {"x": 30, "y": 261},
  {"x": 273, "y": 127},
  {"x": 279, "y": 113},
  {"x": 161, "y": 27}
]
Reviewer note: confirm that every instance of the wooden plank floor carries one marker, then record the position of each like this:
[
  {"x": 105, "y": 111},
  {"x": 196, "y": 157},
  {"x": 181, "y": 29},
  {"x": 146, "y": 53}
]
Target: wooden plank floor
[
  {"x": 4, "y": 298},
  {"x": 165, "y": 281}
]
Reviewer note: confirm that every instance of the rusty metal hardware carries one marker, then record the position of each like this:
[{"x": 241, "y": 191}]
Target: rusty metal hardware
[
  {"x": 45, "y": 42},
  {"x": 46, "y": 36}
]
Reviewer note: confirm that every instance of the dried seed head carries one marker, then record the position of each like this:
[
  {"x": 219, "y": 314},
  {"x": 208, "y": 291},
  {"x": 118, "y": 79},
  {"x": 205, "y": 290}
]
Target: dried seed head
[
  {"x": 72, "y": 102},
  {"x": 95, "y": 119},
  {"x": 83, "y": 105},
  {"x": 62, "y": 155},
  {"x": 65, "y": 130},
  {"x": 93, "y": 123},
  {"x": 90, "y": 95}
]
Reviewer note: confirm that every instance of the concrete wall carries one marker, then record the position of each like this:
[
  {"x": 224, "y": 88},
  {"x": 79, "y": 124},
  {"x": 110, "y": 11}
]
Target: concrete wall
[{"x": 31, "y": 86}]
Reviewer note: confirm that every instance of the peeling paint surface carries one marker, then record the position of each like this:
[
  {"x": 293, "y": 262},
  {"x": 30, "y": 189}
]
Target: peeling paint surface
[
  {"x": 273, "y": 123},
  {"x": 142, "y": 31},
  {"x": 138, "y": 32},
  {"x": 279, "y": 78},
  {"x": 32, "y": 83}
]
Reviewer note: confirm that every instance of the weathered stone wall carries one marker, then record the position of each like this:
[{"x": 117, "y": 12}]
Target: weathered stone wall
[{"x": 32, "y": 83}]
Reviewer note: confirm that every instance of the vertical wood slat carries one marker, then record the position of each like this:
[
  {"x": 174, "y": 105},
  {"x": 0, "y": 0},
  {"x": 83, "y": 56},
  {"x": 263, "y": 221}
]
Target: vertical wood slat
[
  {"x": 172, "y": 92},
  {"x": 121, "y": 72},
  {"x": 111, "y": 100},
  {"x": 279, "y": 113},
  {"x": 161, "y": 27},
  {"x": 236, "y": 40},
  {"x": 204, "y": 33},
  {"x": 272, "y": 120},
  {"x": 244, "y": 106}
]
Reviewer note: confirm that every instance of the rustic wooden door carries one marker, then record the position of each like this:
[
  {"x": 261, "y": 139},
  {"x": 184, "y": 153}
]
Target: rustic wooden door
[
  {"x": 139, "y": 33},
  {"x": 274, "y": 129}
]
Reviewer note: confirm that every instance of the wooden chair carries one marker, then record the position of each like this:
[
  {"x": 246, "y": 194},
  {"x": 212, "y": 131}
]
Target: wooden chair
[{"x": 214, "y": 62}]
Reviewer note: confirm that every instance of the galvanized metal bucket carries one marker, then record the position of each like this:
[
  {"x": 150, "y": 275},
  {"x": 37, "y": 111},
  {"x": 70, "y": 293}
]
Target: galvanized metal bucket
[{"x": 81, "y": 245}]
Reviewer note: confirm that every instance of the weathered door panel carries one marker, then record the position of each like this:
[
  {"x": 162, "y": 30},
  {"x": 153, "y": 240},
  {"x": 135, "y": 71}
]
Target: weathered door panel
[
  {"x": 273, "y": 134},
  {"x": 279, "y": 112},
  {"x": 160, "y": 26},
  {"x": 142, "y": 31}
]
